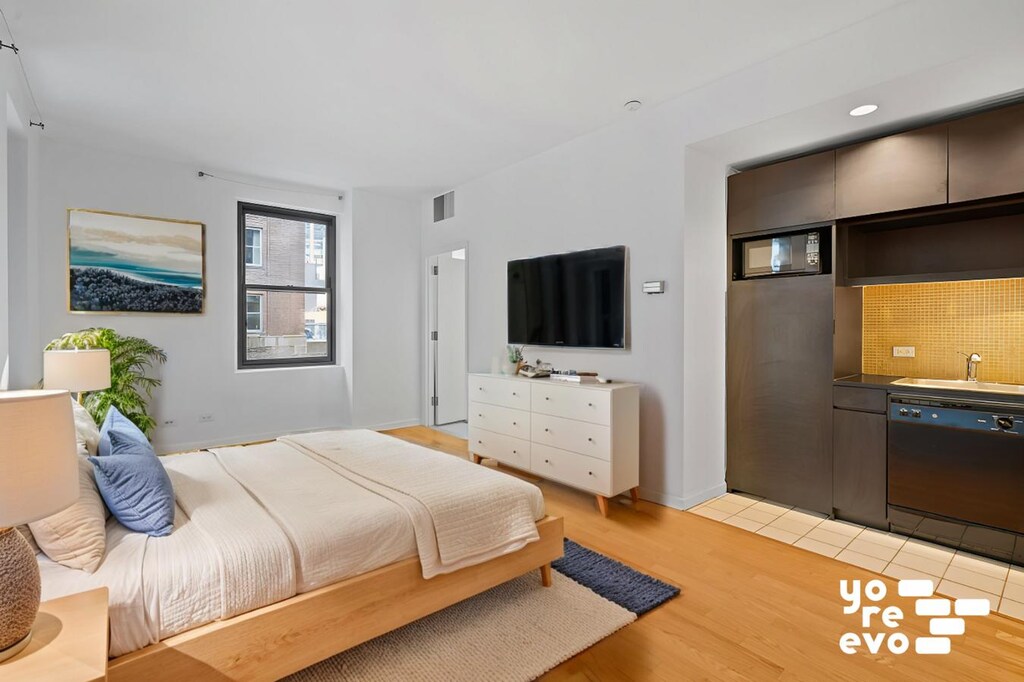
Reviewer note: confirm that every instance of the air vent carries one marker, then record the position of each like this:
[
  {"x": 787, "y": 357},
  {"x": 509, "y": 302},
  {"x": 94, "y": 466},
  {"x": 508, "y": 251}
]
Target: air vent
[{"x": 444, "y": 206}]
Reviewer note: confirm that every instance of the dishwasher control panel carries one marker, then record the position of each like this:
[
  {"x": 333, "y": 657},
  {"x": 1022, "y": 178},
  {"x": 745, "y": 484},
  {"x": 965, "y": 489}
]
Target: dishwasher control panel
[{"x": 971, "y": 415}]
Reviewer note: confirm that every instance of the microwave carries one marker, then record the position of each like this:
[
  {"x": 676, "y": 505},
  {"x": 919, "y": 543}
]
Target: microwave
[{"x": 794, "y": 253}]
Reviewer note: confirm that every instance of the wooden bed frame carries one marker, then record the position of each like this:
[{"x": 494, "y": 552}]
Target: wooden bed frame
[{"x": 280, "y": 639}]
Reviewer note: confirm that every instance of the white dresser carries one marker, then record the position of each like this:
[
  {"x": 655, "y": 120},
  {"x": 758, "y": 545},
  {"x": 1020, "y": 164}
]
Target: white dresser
[{"x": 584, "y": 435}]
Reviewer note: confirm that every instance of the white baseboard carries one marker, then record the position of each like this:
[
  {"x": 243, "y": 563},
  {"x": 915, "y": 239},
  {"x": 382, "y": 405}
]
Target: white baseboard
[
  {"x": 704, "y": 495},
  {"x": 401, "y": 424},
  {"x": 661, "y": 498}
]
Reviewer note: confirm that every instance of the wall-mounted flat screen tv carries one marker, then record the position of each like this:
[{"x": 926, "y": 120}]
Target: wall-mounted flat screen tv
[{"x": 573, "y": 299}]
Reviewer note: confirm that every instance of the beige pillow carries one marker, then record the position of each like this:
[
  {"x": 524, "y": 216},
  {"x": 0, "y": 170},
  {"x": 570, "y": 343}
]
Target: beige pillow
[
  {"x": 86, "y": 432},
  {"x": 76, "y": 537}
]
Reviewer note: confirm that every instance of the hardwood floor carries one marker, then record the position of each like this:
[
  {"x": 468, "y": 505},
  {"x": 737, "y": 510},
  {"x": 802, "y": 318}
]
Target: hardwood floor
[{"x": 751, "y": 608}]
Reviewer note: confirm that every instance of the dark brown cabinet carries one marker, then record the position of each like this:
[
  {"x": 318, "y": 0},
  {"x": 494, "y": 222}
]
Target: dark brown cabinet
[
  {"x": 795, "y": 192},
  {"x": 779, "y": 387},
  {"x": 859, "y": 468},
  {"x": 986, "y": 155},
  {"x": 892, "y": 173}
]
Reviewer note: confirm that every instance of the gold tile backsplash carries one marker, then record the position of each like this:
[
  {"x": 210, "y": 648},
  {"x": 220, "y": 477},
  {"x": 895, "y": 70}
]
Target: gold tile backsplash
[{"x": 941, "y": 318}]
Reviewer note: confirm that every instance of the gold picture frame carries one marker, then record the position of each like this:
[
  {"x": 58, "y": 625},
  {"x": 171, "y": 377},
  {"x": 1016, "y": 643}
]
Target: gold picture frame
[{"x": 130, "y": 264}]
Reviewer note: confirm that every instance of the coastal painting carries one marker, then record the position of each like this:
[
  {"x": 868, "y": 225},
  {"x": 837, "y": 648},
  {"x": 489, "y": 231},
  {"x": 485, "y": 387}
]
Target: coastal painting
[{"x": 120, "y": 263}]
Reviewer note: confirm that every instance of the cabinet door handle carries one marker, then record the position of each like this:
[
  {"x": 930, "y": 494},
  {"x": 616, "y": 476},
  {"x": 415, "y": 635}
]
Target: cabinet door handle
[
  {"x": 514, "y": 393},
  {"x": 480, "y": 442},
  {"x": 590, "y": 404},
  {"x": 546, "y": 430},
  {"x": 546, "y": 398},
  {"x": 547, "y": 462},
  {"x": 590, "y": 473},
  {"x": 515, "y": 424},
  {"x": 515, "y": 452},
  {"x": 591, "y": 440}
]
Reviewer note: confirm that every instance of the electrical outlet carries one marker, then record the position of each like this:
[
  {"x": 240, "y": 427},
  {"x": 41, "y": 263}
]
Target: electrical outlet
[
  {"x": 206, "y": 417},
  {"x": 903, "y": 351},
  {"x": 168, "y": 422}
]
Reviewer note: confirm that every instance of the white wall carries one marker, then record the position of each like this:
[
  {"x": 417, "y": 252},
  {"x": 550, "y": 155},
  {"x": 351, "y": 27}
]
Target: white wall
[
  {"x": 386, "y": 375},
  {"x": 374, "y": 279},
  {"x": 19, "y": 160},
  {"x": 621, "y": 185}
]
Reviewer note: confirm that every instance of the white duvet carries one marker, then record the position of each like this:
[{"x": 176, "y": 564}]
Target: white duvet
[{"x": 259, "y": 524}]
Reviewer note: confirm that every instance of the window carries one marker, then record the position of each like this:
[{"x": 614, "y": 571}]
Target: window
[
  {"x": 254, "y": 246},
  {"x": 253, "y": 313},
  {"x": 285, "y": 295}
]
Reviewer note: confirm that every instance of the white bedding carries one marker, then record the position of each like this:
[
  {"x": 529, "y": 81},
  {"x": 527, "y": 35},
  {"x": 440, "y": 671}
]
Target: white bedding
[
  {"x": 462, "y": 514},
  {"x": 258, "y": 524}
]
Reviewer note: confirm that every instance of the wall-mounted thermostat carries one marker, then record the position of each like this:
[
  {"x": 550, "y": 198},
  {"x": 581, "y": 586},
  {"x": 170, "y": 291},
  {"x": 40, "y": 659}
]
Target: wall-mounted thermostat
[{"x": 655, "y": 287}]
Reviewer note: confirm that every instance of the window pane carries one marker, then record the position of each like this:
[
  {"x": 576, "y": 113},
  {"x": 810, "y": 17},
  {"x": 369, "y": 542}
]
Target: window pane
[
  {"x": 295, "y": 326},
  {"x": 253, "y": 247},
  {"x": 295, "y": 251}
]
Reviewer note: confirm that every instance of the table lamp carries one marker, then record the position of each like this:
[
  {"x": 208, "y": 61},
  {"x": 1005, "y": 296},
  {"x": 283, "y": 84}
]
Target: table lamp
[
  {"x": 77, "y": 370},
  {"x": 38, "y": 477}
]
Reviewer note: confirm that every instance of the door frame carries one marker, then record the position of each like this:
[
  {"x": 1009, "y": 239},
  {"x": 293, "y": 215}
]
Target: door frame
[{"x": 429, "y": 355}]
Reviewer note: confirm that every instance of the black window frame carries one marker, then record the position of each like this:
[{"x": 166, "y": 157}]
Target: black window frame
[{"x": 330, "y": 265}]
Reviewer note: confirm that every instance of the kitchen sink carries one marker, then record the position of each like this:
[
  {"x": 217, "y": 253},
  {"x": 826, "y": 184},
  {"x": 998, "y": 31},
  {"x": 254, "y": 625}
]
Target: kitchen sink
[{"x": 962, "y": 385}]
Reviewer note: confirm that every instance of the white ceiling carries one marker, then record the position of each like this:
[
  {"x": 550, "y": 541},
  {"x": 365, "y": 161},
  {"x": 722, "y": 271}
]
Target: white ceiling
[{"x": 383, "y": 93}]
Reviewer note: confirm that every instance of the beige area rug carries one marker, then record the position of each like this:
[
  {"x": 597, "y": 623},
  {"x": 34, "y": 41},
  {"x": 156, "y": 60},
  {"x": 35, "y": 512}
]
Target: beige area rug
[{"x": 516, "y": 631}]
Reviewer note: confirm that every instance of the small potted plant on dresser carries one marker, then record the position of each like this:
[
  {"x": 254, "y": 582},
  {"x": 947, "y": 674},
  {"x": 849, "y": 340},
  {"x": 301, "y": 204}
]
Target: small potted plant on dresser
[{"x": 513, "y": 360}]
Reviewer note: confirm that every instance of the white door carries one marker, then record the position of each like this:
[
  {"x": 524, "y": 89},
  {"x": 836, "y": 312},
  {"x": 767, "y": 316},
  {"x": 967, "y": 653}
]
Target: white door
[{"x": 450, "y": 342}]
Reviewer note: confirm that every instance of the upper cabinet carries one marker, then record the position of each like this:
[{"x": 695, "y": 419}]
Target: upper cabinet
[
  {"x": 795, "y": 192},
  {"x": 986, "y": 155},
  {"x": 908, "y": 170}
]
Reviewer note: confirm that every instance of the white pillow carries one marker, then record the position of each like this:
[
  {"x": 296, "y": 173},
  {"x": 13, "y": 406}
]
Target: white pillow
[
  {"x": 86, "y": 431},
  {"x": 77, "y": 536}
]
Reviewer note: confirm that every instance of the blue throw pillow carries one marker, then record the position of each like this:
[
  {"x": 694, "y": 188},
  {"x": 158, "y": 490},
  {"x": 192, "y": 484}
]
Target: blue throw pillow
[
  {"x": 115, "y": 422},
  {"x": 135, "y": 486}
]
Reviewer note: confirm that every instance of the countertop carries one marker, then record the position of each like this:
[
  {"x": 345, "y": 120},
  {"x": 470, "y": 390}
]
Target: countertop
[{"x": 886, "y": 382}]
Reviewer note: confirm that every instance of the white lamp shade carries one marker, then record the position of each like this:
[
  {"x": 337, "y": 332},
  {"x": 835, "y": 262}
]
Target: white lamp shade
[
  {"x": 77, "y": 370},
  {"x": 38, "y": 455}
]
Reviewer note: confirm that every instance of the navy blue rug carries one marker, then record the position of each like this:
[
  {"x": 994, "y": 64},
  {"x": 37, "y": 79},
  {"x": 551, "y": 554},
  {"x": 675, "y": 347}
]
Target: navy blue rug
[{"x": 616, "y": 582}]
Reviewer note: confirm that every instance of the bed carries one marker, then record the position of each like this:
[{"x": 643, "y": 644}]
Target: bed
[{"x": 287, "y": 552}]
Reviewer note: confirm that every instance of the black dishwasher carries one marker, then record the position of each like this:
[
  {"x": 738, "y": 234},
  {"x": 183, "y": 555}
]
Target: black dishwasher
[{"x": 958, "y": 465}]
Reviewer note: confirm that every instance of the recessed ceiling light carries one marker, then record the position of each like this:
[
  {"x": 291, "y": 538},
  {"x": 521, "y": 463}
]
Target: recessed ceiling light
[
  {"x": 633, "y": 105},
  {"x": 863, "y": 110}
]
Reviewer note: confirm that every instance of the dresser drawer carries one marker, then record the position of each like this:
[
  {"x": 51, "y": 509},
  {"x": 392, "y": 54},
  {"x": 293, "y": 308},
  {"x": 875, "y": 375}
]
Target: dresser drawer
[
  {"x": 569, "y": 434},
  {"x": 572, "y": 402},
  {"x": 497, "y": 391},
  {"x": 500, "y": 420},
  {"x": 506, "y": 449},
  {"x": 573, "y": 469}
]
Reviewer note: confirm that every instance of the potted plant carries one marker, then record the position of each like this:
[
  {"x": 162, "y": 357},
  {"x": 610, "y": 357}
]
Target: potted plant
[
  {"x": 131, "y": 358},
  {"x": 514, "y": 360}
]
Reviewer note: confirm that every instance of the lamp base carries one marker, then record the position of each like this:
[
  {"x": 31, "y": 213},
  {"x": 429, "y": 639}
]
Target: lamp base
[
  {"x": 15, "y": 649},
  {"x": 19, "y": 591}
]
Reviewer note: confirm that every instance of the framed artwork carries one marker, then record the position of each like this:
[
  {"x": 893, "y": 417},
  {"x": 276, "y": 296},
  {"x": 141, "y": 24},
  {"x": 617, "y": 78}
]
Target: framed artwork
[{"x": 120, "y": 263}]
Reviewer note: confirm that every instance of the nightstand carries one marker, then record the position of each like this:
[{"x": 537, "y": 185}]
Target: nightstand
[{"x": 69, "y": 642}]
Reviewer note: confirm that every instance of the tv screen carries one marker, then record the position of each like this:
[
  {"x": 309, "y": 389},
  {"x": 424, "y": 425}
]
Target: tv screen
[{"x": 569, "y": 299}]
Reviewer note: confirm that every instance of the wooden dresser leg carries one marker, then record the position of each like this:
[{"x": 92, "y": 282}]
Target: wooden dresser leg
[
  {"x": 476, "y": 459},
  {"x": 635, "y": 494},
  {"x": 602, "y": 504},
  {"x": 545, "y": 575}
]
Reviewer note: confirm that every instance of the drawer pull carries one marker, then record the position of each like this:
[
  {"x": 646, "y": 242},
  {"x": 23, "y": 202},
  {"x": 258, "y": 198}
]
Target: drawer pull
[
  {"x": 480, "y": 442},
  {"x": 590, "y": 404},
  {"x": 590, "y": 439},
  {"x": 478, "y": 414},
  {"x": 514, "y": 393},
  {"x": 479, "y": 388},
  {"x": 515, "y": 452},
  {"x": 514, "y": 424},
  {"x": 590, "y": 473},
  {"x": 546, "y": 398},
  {"x": 547, "y": 461},
  {"x": 546, "y": 430}
]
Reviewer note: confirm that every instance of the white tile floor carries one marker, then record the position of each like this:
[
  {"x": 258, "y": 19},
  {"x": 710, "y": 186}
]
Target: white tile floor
[{"x": 957, "y": 574}]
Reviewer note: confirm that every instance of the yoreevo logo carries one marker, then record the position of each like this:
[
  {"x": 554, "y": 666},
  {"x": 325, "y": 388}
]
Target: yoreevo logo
[{"x": 880, "y": 622}]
